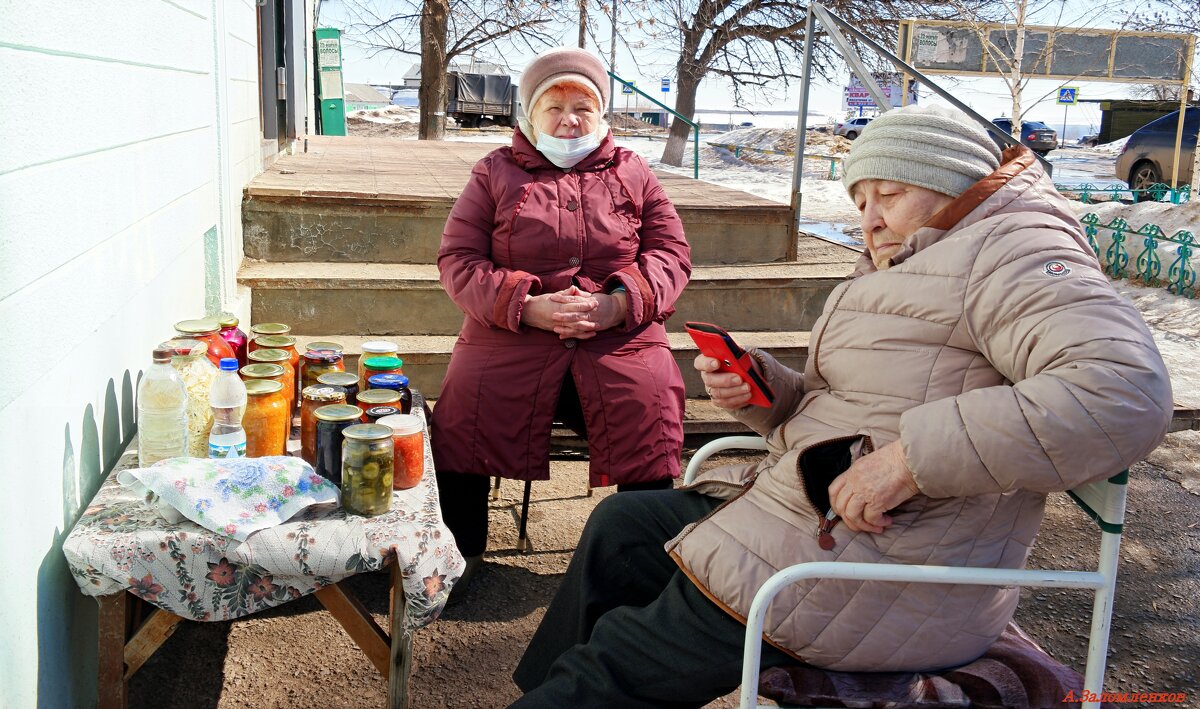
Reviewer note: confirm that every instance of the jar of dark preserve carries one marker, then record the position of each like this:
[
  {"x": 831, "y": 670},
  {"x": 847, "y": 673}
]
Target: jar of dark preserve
[
  {"x": 397, "y": 383},
  {"x": 375, "y": 413},
  {"x": 331, "y": 421},
  {"x": 231, "y": 333},
  {"x": 345, "y": 381}
]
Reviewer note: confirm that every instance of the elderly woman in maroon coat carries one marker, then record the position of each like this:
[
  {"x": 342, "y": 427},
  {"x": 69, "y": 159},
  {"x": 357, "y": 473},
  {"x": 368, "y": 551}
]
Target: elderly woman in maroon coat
[{"x": 567, "y": 257}]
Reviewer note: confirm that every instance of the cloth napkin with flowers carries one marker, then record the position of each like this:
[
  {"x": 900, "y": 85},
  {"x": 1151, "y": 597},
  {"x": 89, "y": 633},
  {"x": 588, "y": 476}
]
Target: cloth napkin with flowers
[{"x": 235, "y": 496}]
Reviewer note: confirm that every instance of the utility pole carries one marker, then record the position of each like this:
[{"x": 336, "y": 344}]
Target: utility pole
[{"x": 612, "y": 64}]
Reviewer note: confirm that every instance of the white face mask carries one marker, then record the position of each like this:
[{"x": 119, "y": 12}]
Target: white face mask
[{"x": 567, "y": 152}]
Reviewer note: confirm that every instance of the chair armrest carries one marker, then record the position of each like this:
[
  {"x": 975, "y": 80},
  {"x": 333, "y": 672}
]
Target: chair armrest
[{"x": 757, "y": 443}]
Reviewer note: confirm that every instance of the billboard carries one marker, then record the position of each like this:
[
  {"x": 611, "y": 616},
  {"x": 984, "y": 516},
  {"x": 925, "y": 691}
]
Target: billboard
[
  {"x": 957, "y": 47},
  {"x": 855, "y": 95}
]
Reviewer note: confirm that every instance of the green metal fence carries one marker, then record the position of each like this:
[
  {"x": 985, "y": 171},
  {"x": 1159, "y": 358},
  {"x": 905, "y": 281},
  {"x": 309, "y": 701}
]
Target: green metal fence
[
  {"x": 1090, "y": 194},
  {"x": 695, "y": 126},
  {"x": 1181, "y": 275}
]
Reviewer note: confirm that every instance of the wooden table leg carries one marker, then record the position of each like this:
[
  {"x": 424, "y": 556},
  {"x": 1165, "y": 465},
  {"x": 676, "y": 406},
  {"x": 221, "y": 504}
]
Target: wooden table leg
[
  {"x": 358, "y": 623},
  {"x": 401, "y": 640},
  {"x": 111, "y": 687}
]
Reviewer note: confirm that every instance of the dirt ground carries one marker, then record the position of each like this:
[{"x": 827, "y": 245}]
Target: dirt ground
[{"x": 297, "y": 655}]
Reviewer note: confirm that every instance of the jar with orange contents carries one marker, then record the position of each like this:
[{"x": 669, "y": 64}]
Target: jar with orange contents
[
  {"x": 281, "y": 358},
  {"x": 268, "y": 329},
  {"x": 381, "y": 365},
  {"x": 313, "y": 398},
  {"x": 266, "y": 419},
  {"x": 408, "y": 440},
  {"x": 207, "y": 331},
  {"x": 378, "y": 397},
  {"x": 287, "y": 343},
  {"x": 373, "y": 348}
]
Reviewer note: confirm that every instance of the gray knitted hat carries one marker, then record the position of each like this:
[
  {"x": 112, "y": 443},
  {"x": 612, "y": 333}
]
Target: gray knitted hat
[{"x": 935, "y": 147}]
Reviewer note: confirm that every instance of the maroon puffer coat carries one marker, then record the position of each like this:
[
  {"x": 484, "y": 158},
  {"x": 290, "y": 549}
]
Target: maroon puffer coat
[{"x": 523, "y": 225}]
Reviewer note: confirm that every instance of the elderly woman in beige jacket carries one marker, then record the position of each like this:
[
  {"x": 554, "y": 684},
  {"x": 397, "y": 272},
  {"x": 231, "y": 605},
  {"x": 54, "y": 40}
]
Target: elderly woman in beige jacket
[{"x": 977, "y": 360}]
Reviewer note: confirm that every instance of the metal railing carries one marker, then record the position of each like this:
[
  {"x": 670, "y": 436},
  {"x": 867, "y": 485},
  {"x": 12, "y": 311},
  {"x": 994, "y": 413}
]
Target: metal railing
[
  {"x": 1088, "y": 193},
  {"x": 1181, "y": 276},
  {"x": 695, "y": 126}
]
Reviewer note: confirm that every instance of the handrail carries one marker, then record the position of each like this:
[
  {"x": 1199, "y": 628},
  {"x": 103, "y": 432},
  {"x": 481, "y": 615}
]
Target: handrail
[
  {"x": 1181, "y": 275},
  {"x": 673, "y": 112}
]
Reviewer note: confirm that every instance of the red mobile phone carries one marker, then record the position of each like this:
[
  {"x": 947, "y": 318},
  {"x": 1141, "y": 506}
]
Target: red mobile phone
[{"x": 716, "y": 343}]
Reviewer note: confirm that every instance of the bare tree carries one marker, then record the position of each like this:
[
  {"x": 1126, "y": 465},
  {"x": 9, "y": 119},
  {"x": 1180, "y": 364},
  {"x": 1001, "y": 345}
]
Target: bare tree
[
  {"x": 755, "y": 44},
  {"x": 583, "y": 23},
  {"x": 1157, "y": 91},
  {"x": 438, "y": 31}
]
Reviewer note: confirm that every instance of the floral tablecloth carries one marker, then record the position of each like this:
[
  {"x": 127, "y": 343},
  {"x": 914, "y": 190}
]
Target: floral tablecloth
[{"x": 119, "y": 544}]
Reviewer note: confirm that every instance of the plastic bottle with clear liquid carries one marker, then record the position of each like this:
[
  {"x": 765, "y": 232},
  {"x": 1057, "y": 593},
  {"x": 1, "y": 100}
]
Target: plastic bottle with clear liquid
[
  {"x": 162, "y": 412},
  {"x": 228, "y": 399}
]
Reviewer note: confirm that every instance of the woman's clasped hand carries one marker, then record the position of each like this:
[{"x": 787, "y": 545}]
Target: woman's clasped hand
[{"x": 573, "y": 313}]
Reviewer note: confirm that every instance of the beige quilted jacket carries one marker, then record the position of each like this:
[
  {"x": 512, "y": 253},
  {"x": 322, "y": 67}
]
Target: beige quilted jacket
[{"x": 997, "y": 352}]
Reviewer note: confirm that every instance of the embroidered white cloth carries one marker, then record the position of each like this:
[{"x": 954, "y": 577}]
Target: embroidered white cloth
[{"x": 119, "y": 543}]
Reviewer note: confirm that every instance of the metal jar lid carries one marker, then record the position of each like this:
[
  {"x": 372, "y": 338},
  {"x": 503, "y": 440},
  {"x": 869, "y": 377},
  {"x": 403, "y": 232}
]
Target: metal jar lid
[
  {"x": 275, "y": 341},
  {"x": 378, "y": 397},
  {"x": 185, "y": 347},
  {"x": 260, "y": 387},
  {"x": 338, "y": 379},
  {"x": 338, "y": 413},
  {"x": 269, "y": 354},
  {"x": 324, "y": 345},
  {"x": 227, "y": 320},
  {"x": 271, "y": 328},
  {"x": 318, "y": 356},
  {"x": 316, "y": 392},
  {"x": 262, "y": 371},
  {"x": 367, "y": 432},
  {"x": 201, "y": 326}
]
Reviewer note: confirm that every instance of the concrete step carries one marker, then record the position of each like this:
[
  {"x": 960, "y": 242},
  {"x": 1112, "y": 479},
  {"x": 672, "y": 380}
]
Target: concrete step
[
  {"x": 405, "y": 299},
  {"x": 426, "y": 356}
]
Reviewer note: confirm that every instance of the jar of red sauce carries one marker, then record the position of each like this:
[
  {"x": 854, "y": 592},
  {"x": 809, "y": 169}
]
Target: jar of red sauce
[
  {"x": 231, "y": 333},
  {"x": 374, "y": 348},
  {"x": 313, "y": 398},
  {"x": 381, "y": 365},
  {"x": 408, "y": 439},
  {"x": 283, "y": 359},
  {"x": 287, "y": 343},
  {"x": 267, "y": 418},
  {"x": 207, "y": 331}
]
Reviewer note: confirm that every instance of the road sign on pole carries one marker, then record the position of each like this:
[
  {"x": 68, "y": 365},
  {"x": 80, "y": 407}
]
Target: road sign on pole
[
  {"x": 628, "y": 88},
  {"x": 666, "y": 85},
  {"x": 1068, "y": 95}
]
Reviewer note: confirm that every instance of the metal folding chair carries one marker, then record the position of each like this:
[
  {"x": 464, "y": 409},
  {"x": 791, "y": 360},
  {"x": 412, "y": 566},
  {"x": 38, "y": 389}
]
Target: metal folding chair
[{"x": 1103, "y": 501}]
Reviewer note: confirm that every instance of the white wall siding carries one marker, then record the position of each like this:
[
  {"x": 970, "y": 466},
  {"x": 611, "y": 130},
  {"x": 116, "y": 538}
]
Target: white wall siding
[{"x": 105, "y": 199}]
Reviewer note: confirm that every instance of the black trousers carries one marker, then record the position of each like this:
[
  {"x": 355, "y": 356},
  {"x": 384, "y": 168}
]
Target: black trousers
[
  {"x": 464, "y": 495},
  {"x": 627, "y": 628}
]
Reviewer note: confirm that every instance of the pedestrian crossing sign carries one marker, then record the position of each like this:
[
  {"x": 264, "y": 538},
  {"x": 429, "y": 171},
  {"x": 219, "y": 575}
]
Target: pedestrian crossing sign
[{"x": 1068, "y": 95}]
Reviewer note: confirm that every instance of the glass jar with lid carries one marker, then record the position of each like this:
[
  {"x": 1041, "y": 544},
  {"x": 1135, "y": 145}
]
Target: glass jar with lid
[
  {"x": 379, "y": 397},
  {"x": 313, "y": 398},
  {"x": 266, "y": 329},
  {"x": 287, "y": 343},
  {"x": 346, "y": 381},
  {"x": 189, "y": 357},
  {"x": 231, "y": 333},
  {"x": 267, "y": 418},
  {"x": 408, "y": 441},
  {"x": 373, "y": 414},
  {"x": 314, "y": 363},
  {"x": 374, "y": 348},
  {"x": 281, "y": 358},
  {"x": 367, "y": 460},
  {"x": 207, "y": 331},
  {"x": 331, "y": 421},
  {"x": 395, "y": 382},
  {"x": 381, "y": 365},
  {"x": 325, "y": 345}
]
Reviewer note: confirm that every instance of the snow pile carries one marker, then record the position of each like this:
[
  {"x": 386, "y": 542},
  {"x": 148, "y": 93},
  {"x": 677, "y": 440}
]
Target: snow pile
[
  {"x": 388, "y": 115},
  {"x": 1114, "y": 147},
  {"x": 784, "y": 139}
]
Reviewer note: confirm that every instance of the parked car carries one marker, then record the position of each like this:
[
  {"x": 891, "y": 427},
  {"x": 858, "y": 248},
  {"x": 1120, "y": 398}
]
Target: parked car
[
  {"x": 1088, "y": 141},
  {"x": 1040, "y": 137},
  {"x": 1146, "y": 158},
  {"x": 851, "y": 128}
]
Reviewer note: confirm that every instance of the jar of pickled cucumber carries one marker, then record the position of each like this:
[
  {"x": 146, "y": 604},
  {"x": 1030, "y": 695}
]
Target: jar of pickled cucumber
[
  {"x": 331, "y": 421},
  {"x": 346, "y": 381},
  {"x": 367, "y": 458}
]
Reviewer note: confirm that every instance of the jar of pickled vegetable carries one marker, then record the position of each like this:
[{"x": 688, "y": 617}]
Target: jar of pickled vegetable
[
  {"x": 346, "y": 381},
  {"x": 207, "y": 331},
  {"x": 316, "y": 345},
  {"x": 373, "y": 348},
  {"x": 373, "y": 414},
  {"x": 189, "y": 357},
  {"x": 268, "y": 329},
  {"x": 231, "y": 333},
  {"x": 314, "y": 398},
  {"x": 378, "y": 397},
  {"x": 408, "y": 442},
  {"x": 397, "y": 383},
  {"x": 267, "y": 418},
  {"x": 367, "y": 460},
  {"x": 331, "y": 421},
  {"x": 280, "y": 357},
  {"x": 314, "y": 363}
]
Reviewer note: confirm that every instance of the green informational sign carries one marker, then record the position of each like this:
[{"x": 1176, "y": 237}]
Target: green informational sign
[{"x": 330, "y": 93}]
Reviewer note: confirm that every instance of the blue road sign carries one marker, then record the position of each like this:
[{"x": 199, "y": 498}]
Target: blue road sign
[
  {"x": 626, "y": 89},
  {"x": 1068, "y": 95},
  {"x": 666, "y": 85}
]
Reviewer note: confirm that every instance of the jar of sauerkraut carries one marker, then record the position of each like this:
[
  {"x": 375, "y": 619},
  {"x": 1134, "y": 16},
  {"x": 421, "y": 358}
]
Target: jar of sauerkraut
[{"x": 189, "y": 357}]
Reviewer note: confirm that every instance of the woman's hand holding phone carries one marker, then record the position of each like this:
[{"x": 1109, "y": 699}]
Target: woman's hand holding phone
[
  {"x": 730, "y": 375},
  {"x": 727, "y": 389}
]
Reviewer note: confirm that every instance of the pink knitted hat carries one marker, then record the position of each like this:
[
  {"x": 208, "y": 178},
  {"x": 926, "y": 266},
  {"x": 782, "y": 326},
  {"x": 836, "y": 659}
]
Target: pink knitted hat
[{"x": 560, "y": 64}]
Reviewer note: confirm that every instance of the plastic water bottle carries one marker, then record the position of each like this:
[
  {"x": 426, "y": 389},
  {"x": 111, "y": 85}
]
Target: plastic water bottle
[
  {"x": 228, "y": 399},
  {"x": 162, "y": 412}
]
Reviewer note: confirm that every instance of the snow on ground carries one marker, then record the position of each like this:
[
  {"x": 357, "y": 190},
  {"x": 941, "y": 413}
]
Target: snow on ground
[{"x": 386, "y": 115}]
